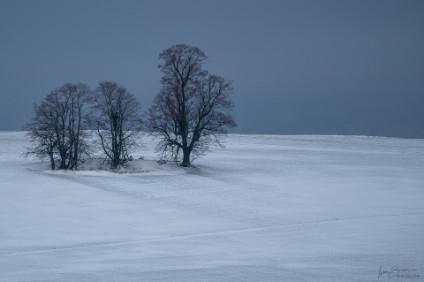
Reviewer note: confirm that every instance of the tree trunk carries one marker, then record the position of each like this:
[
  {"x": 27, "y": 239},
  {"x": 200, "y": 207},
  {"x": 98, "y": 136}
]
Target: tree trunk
[
  {"x": 186, "y": 157},
  {"x": 52, "y": 163},
  {"x": 115, "y": 162},
  {"x": 63, "y": 162}
]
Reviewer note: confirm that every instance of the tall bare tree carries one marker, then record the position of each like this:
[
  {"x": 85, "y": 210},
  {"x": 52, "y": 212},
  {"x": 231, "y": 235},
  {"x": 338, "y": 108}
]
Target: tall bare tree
[
  {"x": 193, "y": 108},
  {"x": 117, "y": 121},
  {"x": 56, "y": 128}
]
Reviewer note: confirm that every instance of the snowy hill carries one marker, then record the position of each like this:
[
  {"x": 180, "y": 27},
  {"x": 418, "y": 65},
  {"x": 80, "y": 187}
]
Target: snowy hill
[{"x": 265, "y": 208}]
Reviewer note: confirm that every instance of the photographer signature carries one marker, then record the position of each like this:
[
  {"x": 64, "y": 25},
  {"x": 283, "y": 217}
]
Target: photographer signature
[{"x": 398, "y": 272}]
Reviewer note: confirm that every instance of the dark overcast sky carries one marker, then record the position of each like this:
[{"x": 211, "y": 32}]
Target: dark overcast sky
[{"x": 299, "y": 67}]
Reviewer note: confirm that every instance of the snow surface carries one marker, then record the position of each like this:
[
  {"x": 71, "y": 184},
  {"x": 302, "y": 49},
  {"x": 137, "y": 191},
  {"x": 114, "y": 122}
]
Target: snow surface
[{"x": 265, "y": 208}]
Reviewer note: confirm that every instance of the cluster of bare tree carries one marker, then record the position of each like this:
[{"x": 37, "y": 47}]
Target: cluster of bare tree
[
  {"x": 116, "y": 120},
  {"x": 191, "y": 111},
  {"x": 56, "y": 128},
  {"x": 59, "y": 129}
]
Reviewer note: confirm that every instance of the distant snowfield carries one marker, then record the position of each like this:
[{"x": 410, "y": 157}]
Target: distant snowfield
[{"x": 265, "y": 208}]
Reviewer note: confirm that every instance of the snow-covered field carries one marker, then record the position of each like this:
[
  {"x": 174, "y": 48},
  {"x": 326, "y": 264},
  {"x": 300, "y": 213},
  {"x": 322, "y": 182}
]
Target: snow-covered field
[{"x": 265, "y": 208}]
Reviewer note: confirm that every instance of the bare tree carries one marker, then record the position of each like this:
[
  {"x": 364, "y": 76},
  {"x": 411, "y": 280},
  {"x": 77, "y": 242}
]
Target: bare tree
[
  {"x": 117, "y": 121},
  {"x": 41, "y": 130},
  {"x": 192, "y": 110},
  {"x": 56, "y": 128}
]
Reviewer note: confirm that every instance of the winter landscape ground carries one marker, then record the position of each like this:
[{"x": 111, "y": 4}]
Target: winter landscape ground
[{"x": 265, "y": 208}]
